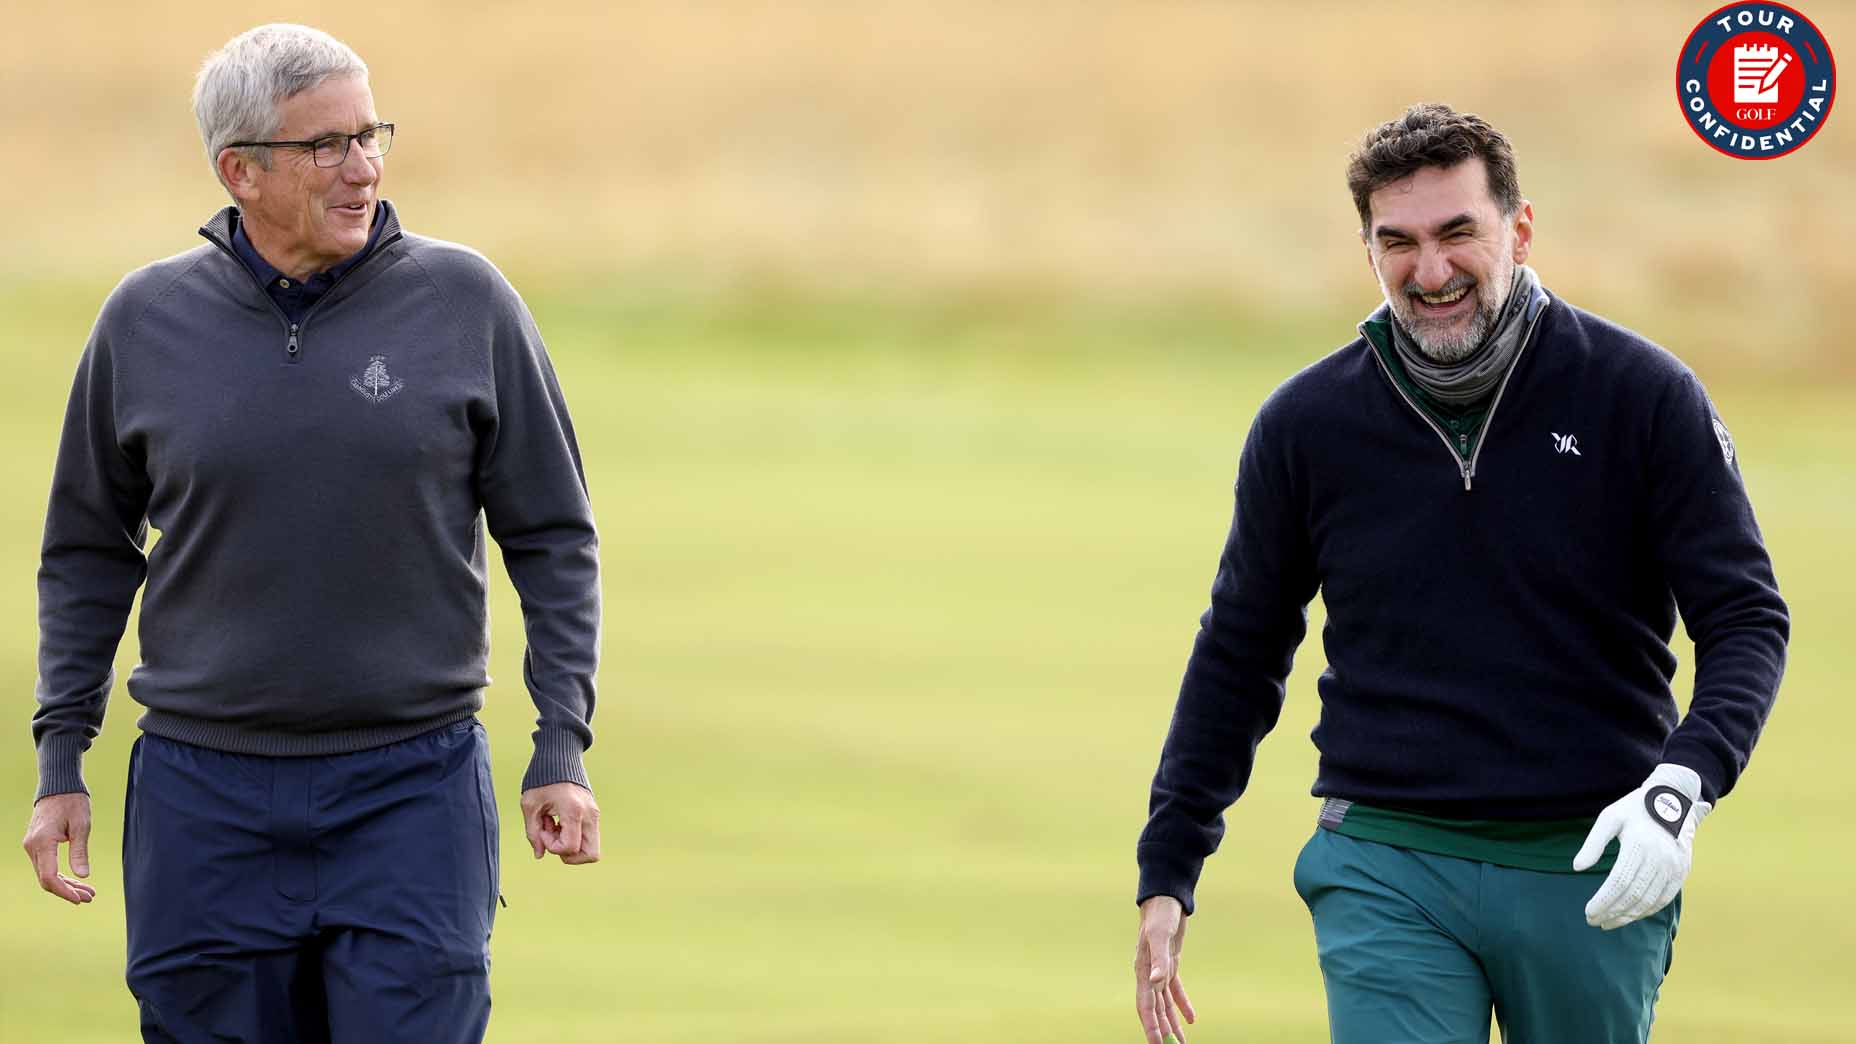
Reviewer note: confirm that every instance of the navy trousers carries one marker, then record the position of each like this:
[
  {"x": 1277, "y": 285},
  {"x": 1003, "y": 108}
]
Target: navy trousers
[{"x": 298, "y": 900}]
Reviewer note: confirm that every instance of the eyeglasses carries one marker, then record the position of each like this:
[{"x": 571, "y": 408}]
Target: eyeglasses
[{"x": 331, "y": 150}]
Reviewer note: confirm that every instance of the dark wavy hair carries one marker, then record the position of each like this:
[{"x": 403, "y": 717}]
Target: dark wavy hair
[{"x": 1430, "y": 135}]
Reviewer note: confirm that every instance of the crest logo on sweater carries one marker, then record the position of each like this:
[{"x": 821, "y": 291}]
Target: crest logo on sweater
[
  {"x": 1756, "y": 80},
  {"x": 375, "y": 384},
  {"x": 1566, "y": 444},
  {"x": 1726, "y": 440}
]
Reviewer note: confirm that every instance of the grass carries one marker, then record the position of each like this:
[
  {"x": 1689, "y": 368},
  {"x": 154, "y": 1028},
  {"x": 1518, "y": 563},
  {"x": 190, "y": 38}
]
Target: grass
[
  {"x": 898, "y": 593},
  {"x": 910, "y": 347}
]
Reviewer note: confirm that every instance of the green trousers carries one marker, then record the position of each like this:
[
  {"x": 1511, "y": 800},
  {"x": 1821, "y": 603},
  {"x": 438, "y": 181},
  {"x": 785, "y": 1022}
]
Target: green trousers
[{"x": 1418, "y": 948}]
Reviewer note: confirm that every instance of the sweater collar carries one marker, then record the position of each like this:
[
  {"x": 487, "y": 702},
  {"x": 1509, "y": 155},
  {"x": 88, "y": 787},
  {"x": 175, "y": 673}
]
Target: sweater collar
[
  {"x": 219, "y": 229},
  {"x": 268, "y": 273}
]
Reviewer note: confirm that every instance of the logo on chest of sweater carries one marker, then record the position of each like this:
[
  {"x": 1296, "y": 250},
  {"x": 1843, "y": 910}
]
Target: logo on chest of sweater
[
  {"x": 1566, "y": 444},
  {"x": 375, "y": 384}
]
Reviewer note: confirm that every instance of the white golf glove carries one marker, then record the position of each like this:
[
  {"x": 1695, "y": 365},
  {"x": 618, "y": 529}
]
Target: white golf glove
[{"x": 1655, "y": 827}]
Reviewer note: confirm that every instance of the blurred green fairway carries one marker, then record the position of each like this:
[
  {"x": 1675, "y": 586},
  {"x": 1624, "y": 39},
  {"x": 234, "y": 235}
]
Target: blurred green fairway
[
  {"x": 898, "y": 592},
  {"x": 910, "y": 427}
]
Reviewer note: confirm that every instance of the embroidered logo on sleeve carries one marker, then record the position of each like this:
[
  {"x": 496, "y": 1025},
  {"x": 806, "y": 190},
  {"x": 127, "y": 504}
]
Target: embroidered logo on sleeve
[
  {"x": 1727, "y": 441},
  {"x": 1566, "y": 444},
  {"x": 375, "y": 384}
]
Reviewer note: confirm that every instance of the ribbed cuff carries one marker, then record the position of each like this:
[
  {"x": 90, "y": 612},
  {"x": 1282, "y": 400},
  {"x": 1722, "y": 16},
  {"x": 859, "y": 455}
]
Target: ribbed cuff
[
  {"x": 1714, "y": 774},
  {"x": 558, "y": 759},
  {"x": 61, "y": 766},
  {"x": 1165, "y": 872}
]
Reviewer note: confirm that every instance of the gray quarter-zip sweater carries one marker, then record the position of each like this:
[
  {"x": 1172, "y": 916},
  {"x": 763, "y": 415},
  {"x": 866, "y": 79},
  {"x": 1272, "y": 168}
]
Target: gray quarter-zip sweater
[{"x": 321, "y": 491}]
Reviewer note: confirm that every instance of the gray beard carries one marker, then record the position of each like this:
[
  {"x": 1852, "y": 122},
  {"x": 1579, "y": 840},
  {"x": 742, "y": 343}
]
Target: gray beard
[
  {"x": 1473, "y": 377},
  {"x": 1455, "y": 349},
  {"x": 1447, "y": 348}
]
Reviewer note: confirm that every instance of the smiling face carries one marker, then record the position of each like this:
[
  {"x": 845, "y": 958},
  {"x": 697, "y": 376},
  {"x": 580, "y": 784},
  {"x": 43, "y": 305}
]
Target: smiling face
[
  {"x": 1445, "y": 255},
  {"x": 303, "y": 218}
]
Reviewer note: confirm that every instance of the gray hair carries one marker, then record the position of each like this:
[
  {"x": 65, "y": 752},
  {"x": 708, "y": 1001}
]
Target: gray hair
[{"x": 241, "y": 85}]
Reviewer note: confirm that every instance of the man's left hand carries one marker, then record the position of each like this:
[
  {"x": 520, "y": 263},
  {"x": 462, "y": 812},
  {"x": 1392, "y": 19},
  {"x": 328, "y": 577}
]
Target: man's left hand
[
  {"x": 1655, "y": 827},
  {"x": 562, "y": 818}
]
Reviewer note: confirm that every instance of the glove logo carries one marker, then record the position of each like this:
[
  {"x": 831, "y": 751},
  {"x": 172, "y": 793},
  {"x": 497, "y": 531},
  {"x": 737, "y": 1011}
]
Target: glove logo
[
  {"x": 1668, "y": 806},
  {"x": 1668, "y": 809}
]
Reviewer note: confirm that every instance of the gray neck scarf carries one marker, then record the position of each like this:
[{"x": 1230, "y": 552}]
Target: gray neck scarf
[{"x": 1462, "y": 383}]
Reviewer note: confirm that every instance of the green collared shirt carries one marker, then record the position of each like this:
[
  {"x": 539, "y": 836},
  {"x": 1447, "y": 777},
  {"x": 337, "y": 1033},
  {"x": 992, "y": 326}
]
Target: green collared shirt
[{"x": 1463, "y": 424}]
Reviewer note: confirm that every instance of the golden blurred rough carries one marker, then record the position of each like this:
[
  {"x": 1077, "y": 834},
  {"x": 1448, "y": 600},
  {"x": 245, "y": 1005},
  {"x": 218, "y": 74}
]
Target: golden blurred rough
[{"x": 1110, "y": 147}]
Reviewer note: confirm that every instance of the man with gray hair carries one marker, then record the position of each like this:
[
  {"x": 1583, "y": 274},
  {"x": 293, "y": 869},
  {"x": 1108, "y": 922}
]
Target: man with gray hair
[
  {"x": 320, "y": 413},
  {"x": 1510, "y": 797}
]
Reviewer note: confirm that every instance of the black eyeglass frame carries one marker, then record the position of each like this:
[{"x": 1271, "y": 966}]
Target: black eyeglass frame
[{"x": 310, "y": 145}]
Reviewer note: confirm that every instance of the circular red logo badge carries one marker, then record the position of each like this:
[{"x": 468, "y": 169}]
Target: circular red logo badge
[{"x": 1756, "y": 80}]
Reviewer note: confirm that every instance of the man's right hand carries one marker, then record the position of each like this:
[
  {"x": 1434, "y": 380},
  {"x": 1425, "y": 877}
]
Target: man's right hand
[
  {"x": 1159, "y": 995},
  {"x": 57, "y": 819}
]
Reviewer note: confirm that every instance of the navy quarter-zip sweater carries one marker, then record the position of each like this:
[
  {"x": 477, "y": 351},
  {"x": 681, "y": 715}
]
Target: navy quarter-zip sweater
[
  {"x": 321, "y": 489},
  {"x": 1496, "y": 652}
]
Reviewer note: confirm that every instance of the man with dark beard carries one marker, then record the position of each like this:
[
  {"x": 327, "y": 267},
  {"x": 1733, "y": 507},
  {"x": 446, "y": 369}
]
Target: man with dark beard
[{"x": 1496, "y": 709}]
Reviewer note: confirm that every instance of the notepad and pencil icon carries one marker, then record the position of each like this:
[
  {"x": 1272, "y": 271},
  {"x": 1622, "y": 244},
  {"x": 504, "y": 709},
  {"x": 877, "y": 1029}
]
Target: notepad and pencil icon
[{"x": 1756, "y": 74}]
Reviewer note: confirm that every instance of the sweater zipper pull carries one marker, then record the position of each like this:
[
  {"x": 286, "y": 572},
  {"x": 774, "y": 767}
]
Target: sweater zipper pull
[
  {"x": 293, "y": 347},
  {"x": 1465, "y": 467}
]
